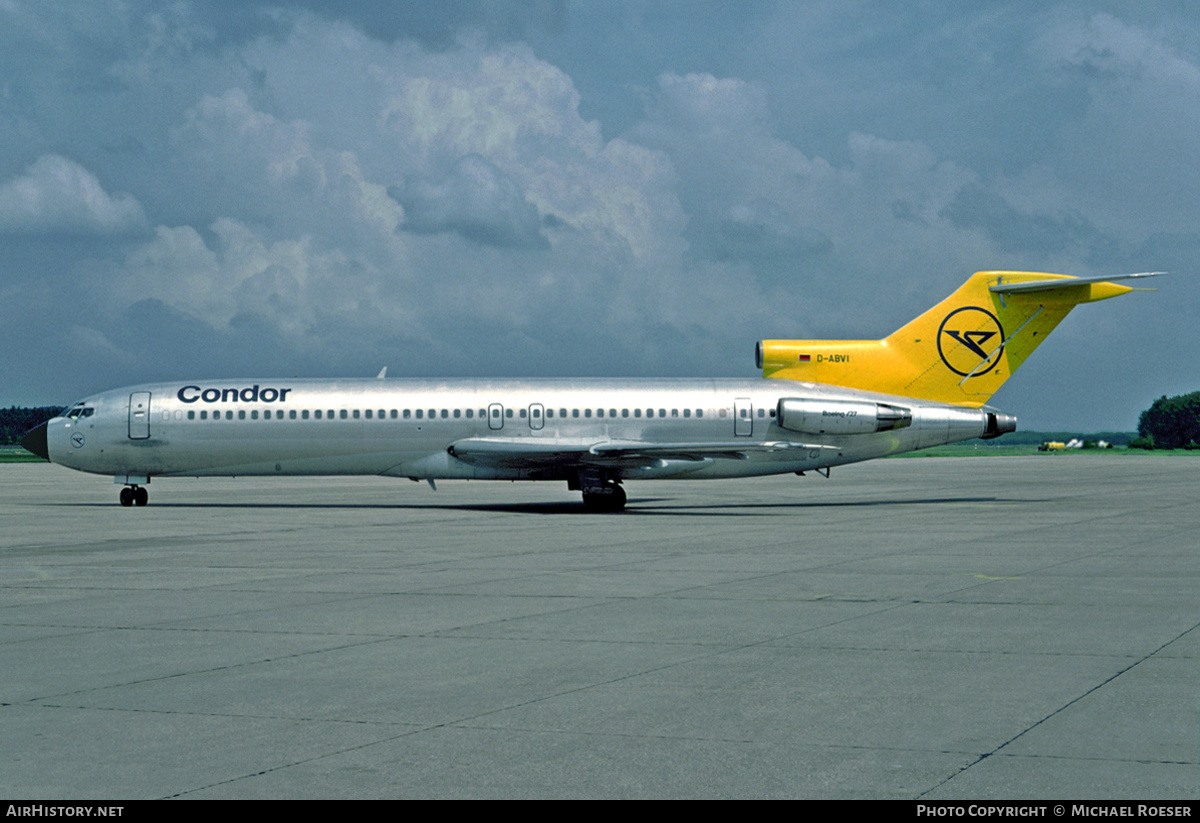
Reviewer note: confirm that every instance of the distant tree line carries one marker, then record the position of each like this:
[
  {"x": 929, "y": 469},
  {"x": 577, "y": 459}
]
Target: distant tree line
[
  {"x": 1036, "y": 438},
  {"x": 15, "y": 421},
  {"x": 1170, "y": 423}
]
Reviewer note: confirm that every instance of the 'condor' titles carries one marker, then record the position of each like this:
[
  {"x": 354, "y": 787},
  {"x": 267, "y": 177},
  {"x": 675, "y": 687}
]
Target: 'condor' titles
[{"x": 252, "y": 394}]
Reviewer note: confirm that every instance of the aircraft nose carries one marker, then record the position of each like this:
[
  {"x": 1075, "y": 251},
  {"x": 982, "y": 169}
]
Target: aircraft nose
[{"x": 35, "y": 441}]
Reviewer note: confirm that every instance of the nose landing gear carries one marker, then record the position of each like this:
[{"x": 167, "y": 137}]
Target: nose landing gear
[{"x": 134, "y": 496}]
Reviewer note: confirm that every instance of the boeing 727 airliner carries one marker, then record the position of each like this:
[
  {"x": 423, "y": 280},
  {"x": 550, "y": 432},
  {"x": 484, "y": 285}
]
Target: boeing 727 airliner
[{"x": 819, "y": 403}]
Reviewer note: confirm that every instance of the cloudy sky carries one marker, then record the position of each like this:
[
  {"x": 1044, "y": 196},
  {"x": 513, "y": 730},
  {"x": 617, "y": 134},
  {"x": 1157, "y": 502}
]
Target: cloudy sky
[{"x": 225, "y": 188}]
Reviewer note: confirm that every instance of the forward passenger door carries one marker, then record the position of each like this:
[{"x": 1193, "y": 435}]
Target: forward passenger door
[{"x": 139, "y": 415}]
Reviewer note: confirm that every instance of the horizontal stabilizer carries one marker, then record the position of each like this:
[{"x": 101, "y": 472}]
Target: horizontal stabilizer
[{"x": 1058, "y": 283}]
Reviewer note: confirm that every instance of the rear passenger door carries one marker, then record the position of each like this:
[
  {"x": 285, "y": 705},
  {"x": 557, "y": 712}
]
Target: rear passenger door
[{"x": 743, "y": 417}]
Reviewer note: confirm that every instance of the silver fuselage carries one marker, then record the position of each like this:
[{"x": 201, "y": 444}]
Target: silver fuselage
[{"x": 410, "y": 428}]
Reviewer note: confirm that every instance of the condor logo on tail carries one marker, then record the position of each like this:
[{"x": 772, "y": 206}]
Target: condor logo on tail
[{"x": 975, "y": 344}]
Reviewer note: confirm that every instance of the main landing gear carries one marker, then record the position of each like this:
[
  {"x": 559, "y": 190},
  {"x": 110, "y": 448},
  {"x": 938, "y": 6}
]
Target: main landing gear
[
  {"x": 607, "y": 498},
  {"x": 134, "y": 496},
  {"x": 600, "y": 492}
]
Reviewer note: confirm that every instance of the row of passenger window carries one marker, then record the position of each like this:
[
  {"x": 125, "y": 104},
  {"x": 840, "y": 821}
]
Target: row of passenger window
[
  {"x": 432, "y": 414},
  {"x": 320, "y": 414}
]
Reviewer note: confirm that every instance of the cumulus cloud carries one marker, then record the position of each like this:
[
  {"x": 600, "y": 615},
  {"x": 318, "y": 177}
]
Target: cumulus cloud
[
  {"x": 804, "y": 228},
  {"x": 291, "y": 286},
  {"x": 488, "y": 158},
  {"x": 740, "y": 184},
  {"x": 1135, "y": 113},
  {"x": 475, "y": 199},
  {"x": 56, "y": 194},
  {"x": 522, "y": 115},
  {"x": 1048, "y": 235},
  {"x": 1104, "y": 43},
  {"x": 760, "y": 231}
]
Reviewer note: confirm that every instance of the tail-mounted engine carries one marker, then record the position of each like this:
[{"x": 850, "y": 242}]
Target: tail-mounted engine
[
  {"x": 998, "y": 424},
  {"x": 816, "y": 416}
]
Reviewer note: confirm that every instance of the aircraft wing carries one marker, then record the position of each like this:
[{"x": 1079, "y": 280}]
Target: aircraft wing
[{"x": 528, "y": 452}]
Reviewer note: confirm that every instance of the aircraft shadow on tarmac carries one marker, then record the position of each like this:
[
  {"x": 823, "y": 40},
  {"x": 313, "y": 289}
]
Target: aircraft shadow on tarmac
[{"x": 637, "y": 507}]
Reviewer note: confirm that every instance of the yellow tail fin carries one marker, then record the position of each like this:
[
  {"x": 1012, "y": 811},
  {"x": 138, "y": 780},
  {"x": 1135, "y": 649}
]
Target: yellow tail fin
[{"x": 960, "y": 351}]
